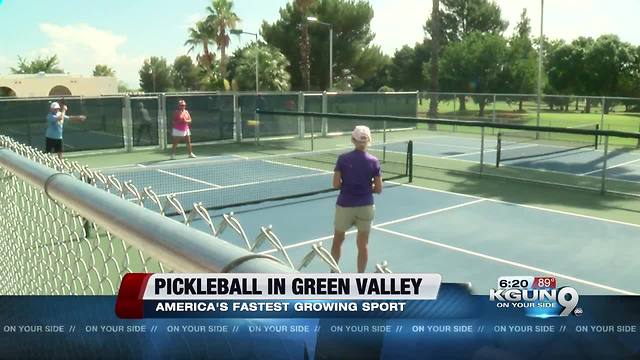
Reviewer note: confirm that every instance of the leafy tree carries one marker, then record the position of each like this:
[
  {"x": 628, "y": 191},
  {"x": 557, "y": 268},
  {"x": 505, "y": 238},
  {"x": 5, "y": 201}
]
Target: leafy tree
[
  {"x": 272, "y": 69},
  {"x": 303, "y": 7},
  {"x": 184, "y": 74},
  {"x": 201, "y": 35},
  {"x": 522, "y": 71},
  {"x": 221, "y": 18},
  {"x": 606, "y": 63},
  {"x": 48, "y": 65},
  {"x": 103, "y": 70},
  {"x": 459, "y": 18},
  {"x": 381, "y": 79},
  {"x": 407, "y": 67},
  {"x": 155, "y": 75},
  {"x": 352, "y": 37},
  {"x": 475, "y": 64},
  {"x": 629, "y": 85},
  {"x": 124, "y": 88},
  {"x": 435, "y": 58}
]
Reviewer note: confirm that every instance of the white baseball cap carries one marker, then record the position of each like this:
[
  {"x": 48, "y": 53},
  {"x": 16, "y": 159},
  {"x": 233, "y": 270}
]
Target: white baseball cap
[
  {"x": 361, "y": 134},
  {"x": 54, "y": 105}
]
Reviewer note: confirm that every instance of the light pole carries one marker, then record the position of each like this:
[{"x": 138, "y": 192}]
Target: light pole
[
  {"x": 315, "y": 20},
  {"x": 540, "y": 45},
  {"x": 240, "y": 32}
]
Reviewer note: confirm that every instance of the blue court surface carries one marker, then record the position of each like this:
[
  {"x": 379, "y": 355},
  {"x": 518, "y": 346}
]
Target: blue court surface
[
  {"x": 464, "y": 238},
  {"x": 623, "y": 164}
]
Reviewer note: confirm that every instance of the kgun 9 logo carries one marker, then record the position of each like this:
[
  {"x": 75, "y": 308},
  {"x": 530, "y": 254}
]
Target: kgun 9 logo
[{"x": 567, "y": 297}]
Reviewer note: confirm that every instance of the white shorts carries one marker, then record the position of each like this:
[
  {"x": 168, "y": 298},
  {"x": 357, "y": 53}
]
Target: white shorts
[{"x": 180, "y": 133}]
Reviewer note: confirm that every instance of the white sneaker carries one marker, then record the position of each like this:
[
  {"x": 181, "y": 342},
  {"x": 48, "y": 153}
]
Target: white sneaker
[
  {"x": 192, "y": 156},
  {"x": 173, "y": 157}
]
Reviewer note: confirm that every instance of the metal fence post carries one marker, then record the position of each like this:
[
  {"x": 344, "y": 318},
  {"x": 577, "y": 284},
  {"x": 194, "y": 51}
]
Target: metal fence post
[
  {"x": 325, "y": 125},
  {"x": 602, "y": 113},
  {"x": 257, "y": 127},
  {"x": 162, "y": 121},
  {"x": 481, "y": 148},
  {"x": 493, "y": 117},
  {"x": 127, "y": 123},
  {"x": 237, "y": 119},
  {"x": 603, "y": 187},
  {"x": 301, "y": 129}
]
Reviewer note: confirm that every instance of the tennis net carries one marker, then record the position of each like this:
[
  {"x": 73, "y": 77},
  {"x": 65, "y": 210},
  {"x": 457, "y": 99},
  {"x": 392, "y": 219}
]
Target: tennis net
[
  {"x": 226, "y": 182},
  {"x": 529, "y": 144}
]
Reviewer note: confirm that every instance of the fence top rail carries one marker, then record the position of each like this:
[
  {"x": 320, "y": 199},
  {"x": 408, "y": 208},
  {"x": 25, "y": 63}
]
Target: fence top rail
[
  {"x": 471, "y": 123},
  {"x": 182, "y": 248},
  {"x": 599, "y": 97}
]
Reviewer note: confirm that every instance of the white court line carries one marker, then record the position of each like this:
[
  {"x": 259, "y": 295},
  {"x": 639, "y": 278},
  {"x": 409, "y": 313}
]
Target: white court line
[
  {"x": 519, "y": 205},
  {"x": 381, "y": 224},
  {"x": 610, "y": 167},
  {"x": 222, "y": 187},
  {"x": 189, "y": 178},
  {"x": 448, "y": 145},
  {"x": 507, "y": 262},
  {"x": 487, "y": 151},
  {"x": 183, "y": 177}
]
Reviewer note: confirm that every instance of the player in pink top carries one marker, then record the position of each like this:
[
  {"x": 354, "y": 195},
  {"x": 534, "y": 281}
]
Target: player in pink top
[{"x": 181, "y": 122}]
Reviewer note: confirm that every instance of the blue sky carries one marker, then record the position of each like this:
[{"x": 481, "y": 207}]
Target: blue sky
[{"x": 123, "y": 33}]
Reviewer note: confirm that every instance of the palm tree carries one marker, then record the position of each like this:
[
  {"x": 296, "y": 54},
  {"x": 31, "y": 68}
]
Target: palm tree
[
  {"x": 221, "y": 18},
  {"x": 305, "y": 64},
  {"x": 201, "y": 35},
  {"x": 48, "y": 65}
]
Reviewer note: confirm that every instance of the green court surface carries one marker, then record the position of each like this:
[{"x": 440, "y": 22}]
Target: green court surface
[{"x": 466, "y": 226}]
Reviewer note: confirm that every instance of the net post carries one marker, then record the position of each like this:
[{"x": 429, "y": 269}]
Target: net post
[
  {"x": 481, "y": 148},
  {"x": 127, "y": 123},
  {"x": 410, "y": 160},
  {"x": 325, "y": 124},
  {"x": 301, "y": 129},
  {"x": 604, "y": 165},
  {"x": 498, "y": 149},
  {"x": 596, "y": 139}
]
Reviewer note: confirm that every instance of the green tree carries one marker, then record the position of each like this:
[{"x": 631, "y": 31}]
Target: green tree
[
  {"x": 475, "y": 64},
  {"x": 434, "y": 68},
  {"x": 220, "y": 20},
  {"x": 201, "y": 35},
  {"x": 103, "y": 70},
  {"x": 521, "y": 61},
  {"x": 303, "y": 7},
  {"x": 272, "y": 69},
  {"x": 630, "y": 84},
  {"x": 407, "y": 67},
  {"x": 380, "y": 80},
  {"x": 48, "y": 65},
  {"x": 352, "y": 37},
  {"x": 459, "y": 18},
  {"x": 184, "y": 74},
  {"x": 606, "y": 63},
  {"x": 155, "y": 75}
]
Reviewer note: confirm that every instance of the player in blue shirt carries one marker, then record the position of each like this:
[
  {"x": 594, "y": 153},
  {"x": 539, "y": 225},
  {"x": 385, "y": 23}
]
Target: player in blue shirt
[{"x": 55, "y": 123}]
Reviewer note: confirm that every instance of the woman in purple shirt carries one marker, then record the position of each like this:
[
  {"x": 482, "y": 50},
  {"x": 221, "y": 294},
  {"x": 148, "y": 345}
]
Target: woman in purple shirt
[{"x": 357, "y": 175}]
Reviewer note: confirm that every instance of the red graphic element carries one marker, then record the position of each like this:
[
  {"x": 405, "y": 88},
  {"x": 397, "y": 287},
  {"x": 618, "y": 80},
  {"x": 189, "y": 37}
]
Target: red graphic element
[
  {"x": 544, "y": 282},
  {"x": 129, "y": 304}
]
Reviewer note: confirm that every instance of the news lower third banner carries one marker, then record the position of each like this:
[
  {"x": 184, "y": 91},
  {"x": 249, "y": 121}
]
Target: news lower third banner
[{"x": 322, "y": 316}]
